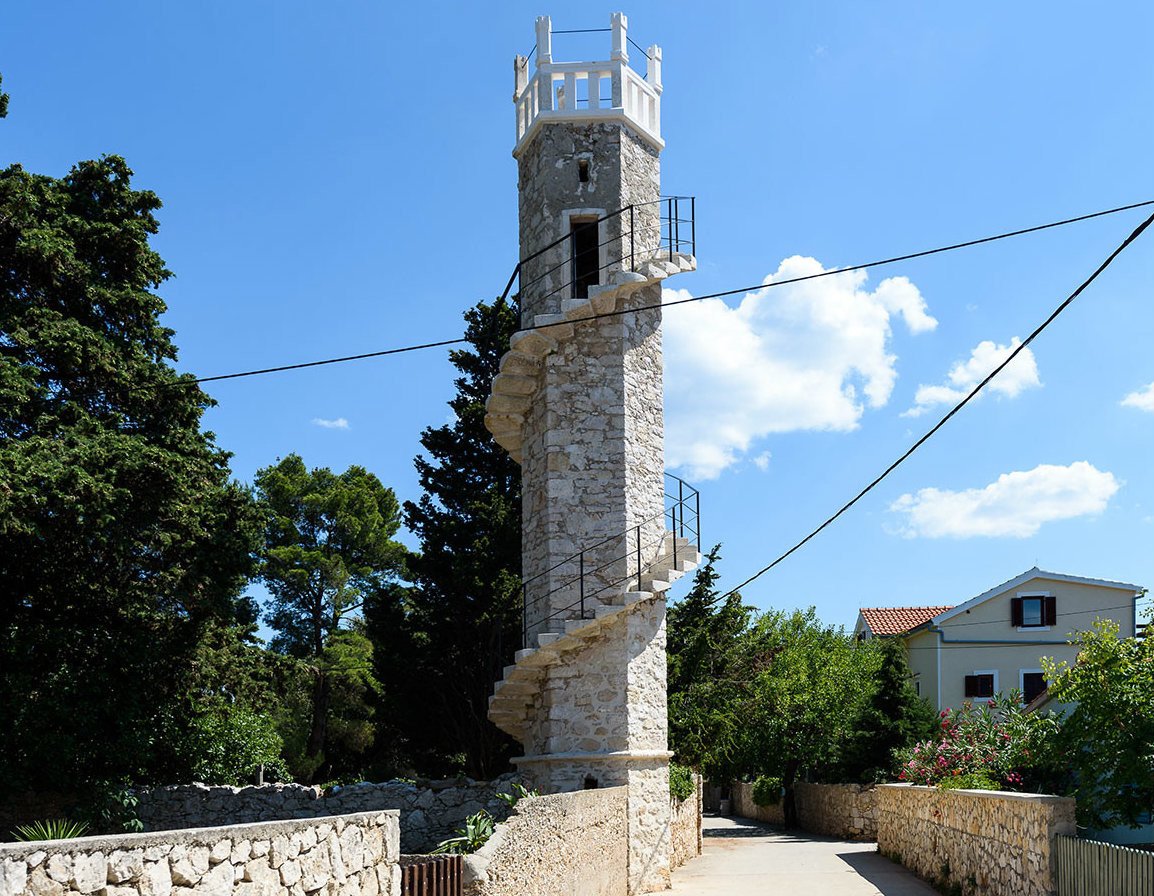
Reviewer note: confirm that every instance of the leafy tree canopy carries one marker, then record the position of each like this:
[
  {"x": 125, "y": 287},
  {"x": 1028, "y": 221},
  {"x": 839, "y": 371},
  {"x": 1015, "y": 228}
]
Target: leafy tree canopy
[
  {"x": 441, "y": 650},
  {"x": 1107, "y": 739},
  {"x": 328, "y": 548},
  {"x": 121, "y": 533}
]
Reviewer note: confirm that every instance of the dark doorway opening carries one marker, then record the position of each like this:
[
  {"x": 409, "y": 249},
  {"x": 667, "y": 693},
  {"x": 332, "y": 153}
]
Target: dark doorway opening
[{"x": 583, "y": 256}]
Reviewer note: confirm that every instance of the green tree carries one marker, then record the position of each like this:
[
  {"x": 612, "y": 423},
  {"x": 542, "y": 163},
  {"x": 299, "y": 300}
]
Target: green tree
[
  {"x": 804, "y": 697},
  {"x": 121, "y": 533},
  {"x": 706, "y": 632},
  {"x": 328, "y": 547},
  {"x": 893, "y": 718},
  {"x": 461, "y": 621},
  {"x": 1107, "y": 738}
]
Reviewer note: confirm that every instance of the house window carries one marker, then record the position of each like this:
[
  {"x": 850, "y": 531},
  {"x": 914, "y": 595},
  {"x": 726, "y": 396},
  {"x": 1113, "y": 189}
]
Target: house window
[
  {"x": 1033, "y": 683},
  {"x": 981, "y": 684},
  {"x": 1033, "y": 611}
]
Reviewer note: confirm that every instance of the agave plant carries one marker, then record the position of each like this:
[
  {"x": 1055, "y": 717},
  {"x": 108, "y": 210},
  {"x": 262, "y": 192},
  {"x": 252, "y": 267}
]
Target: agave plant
[
  {"x": 50, "y": 829},
  {"x": 477, "y": 830}
]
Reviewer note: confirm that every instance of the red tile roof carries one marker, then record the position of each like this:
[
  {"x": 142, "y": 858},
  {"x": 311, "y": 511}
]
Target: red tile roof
[{"x": 898, "y": 620}]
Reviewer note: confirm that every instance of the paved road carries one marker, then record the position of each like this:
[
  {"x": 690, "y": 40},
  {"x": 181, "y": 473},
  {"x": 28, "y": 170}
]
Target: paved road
[{"x": 743, "y": 858}]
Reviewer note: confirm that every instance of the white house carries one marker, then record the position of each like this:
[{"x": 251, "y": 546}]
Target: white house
[{"x": 994, "y": 642}]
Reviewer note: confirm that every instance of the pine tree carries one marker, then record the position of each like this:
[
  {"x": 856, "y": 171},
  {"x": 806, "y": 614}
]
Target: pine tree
[
  {"x": 461, "y": 621},
  {"x": 705, "y": 638}
]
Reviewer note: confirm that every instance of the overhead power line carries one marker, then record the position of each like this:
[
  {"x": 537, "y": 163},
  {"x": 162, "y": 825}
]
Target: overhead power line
[
  {"x": 715, "y": 295},
  {"x": 961, "y": 404}
]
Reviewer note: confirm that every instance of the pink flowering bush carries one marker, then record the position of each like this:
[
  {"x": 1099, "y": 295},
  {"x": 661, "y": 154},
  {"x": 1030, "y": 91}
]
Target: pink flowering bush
[{"x": 990, "y": 741}]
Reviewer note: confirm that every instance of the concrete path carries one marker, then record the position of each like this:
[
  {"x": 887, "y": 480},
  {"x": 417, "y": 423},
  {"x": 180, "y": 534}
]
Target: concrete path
[{"x": 743, "y": 858}]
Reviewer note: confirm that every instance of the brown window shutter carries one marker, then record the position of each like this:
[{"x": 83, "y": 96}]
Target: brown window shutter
[
  {"x": 1051, "y": 614},
  {"x": 1016, "y": 611},
  {"x": 971, "y": 686}
]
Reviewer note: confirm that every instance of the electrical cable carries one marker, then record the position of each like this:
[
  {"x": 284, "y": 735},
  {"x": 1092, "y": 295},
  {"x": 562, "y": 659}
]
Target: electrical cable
[
  {"x": 961, "y": 404},
  {"x": 715, "y": 295}
]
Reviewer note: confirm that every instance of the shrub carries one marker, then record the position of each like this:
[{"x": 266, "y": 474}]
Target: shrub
[
  {"x": 995, "y": 739},
  {"x": 681, "y": 785},
  {"x": 970, "y": 781},
  {"x": 767, "y": 790}
]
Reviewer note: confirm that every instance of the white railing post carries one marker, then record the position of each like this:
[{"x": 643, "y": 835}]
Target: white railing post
[
  {"x": 619, "y": 25},
  {"x": 653, "y": 69},
  {"x": 520, "y": 76},
  {"x": 544, "y": 41}
]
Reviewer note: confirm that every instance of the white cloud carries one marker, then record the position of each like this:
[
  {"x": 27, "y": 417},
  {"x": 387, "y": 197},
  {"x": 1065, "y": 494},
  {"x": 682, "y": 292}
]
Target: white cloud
[
  {"x": 1142, "y": 399},
  {"x": 762, "y": 461},
  {"x": 1020, "y": 374},
  {"x": 338, "y": 423},
  {"x": 802, "y": 356},
  {"x": 1015, "y": 505}
]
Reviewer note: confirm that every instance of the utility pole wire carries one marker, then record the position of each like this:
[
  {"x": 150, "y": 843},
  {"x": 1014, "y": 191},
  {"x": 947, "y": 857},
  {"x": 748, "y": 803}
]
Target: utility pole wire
[
  {"x": 715, "y": 295},
  {"x": 961, "y": 404}
]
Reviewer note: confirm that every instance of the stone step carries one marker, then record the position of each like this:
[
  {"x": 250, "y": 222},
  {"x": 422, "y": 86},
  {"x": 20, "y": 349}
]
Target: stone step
[
  {"x": 517, "y": 382},
  {"x": 513, "y": 694}
]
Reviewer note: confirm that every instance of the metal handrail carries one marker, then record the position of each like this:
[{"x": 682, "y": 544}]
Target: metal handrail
[
  {"x": 684, "y": 515},
  {"x": 669, "y": 236}
]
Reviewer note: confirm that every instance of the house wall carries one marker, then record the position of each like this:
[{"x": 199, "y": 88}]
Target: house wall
[
  {"x": 347, "y": 854},
  {"x": 997, "y": 844},
  {"x": 962, "y": 653},
  {"x": 921, "y": 653}
]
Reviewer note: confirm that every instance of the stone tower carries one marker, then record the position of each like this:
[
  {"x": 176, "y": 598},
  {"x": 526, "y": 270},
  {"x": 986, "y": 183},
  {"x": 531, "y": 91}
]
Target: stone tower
[{"x": 578, "y": 403}]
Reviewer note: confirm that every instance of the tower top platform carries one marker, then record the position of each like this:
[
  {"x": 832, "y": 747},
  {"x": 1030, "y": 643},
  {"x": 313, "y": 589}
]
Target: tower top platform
[{"x": 588, "y": 92}]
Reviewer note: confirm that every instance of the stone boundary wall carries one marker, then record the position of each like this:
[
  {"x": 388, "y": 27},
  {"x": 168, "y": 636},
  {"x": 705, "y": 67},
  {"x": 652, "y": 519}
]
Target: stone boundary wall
[
  {"x": 353, "y": 855},
  {"x": 562, "y": 844},
  {"x": 742, "y": 805},
  {"x": 846, "y": 811},
  {"x": 430, "y": 811},
  {"x": 995, "y": 843},
  {"x": 685, "y": 827}
]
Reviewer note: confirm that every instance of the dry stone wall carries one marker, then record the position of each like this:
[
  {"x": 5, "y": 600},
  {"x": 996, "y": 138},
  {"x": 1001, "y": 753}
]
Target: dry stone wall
[
  {"x": 352, "y": 855},
  {"x": 429, "y": 811},
  {"x": 562, "y": 844},
  {"x": 847, "y": 811},
  {"x": 685, "y": 827},
  {"x": 996, "y": 844},
  {"x": 743, "y": 806}
]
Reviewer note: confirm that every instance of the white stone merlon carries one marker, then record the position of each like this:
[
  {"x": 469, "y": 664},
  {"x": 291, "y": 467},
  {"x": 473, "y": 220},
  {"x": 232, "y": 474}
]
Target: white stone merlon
[{"x": 578, "y": 403}]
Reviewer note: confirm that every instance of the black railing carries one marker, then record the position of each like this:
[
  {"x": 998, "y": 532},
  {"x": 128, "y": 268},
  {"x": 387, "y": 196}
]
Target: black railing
[
  {"x": 676, "y": 233},
  {"x": 584, "y": 574}
]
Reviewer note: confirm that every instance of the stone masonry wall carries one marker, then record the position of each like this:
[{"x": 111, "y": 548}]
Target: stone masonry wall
[
  {"x": 564, "y": 844},
  {"x": 685, "y": 827},
  {"x": 847, "y": 811},
  {"x": 997, "y": 844},
  {"x": 352, "y": 855},
  {"x": 743, "y": 806},
  {"x": 429, "y": 811},
  {"x": 593, "y": 457},
  {"x": 600, "y": 718}
]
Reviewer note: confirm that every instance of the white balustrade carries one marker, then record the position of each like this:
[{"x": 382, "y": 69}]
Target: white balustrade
[{"x": 575, "y": 91}]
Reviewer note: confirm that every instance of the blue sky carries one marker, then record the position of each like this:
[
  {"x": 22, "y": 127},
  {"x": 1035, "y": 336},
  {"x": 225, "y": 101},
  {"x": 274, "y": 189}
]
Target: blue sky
[{"x": 337, "y": 178}]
